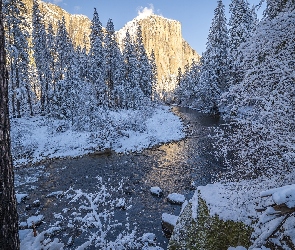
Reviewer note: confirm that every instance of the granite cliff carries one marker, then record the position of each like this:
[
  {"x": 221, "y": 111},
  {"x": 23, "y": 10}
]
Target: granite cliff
[{"x": 164, "y": 37}]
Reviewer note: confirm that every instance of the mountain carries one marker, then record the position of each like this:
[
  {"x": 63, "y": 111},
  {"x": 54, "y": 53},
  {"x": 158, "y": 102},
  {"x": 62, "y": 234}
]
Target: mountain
[
  {"x": 78, "y": 25},
  {"x": 159, "y": 34},
  {"x": 164, "y": 37}
]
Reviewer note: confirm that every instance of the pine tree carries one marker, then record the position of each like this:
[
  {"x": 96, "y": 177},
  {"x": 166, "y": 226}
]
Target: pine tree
[
  {"x": 133, "y": 95},
  {"x": 155, "y": 95},
  {"x": 42, "y": 56},
  {"x": 242, "y": 23},
  {"x": 262, "y": 111},
  {"x": 18, "y": 55},
  {"x": 144, "y": 67},
  {"x": 9, "y": 238},
  {"x": 213, "y": 79},
  {"x": 114, "y": 65},
  {"x": 64, "y": 52},
  {"x": 97, "y": 60},
  {"x": 275, "y": 7},
  {"x": 185, "y": 93}
]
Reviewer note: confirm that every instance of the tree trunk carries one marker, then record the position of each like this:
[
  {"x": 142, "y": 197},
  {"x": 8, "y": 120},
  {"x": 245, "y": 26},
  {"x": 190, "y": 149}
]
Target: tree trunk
[{"x": 8, "y": 214}]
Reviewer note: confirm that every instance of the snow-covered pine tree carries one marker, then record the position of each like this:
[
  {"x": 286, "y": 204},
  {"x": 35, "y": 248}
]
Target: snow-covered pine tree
[
  {"x": 213, "y": 79},
  {"x": 242, "y": 23},
  {"x": 274, "y": 7},
  {"x": 133, "y": 94},
  {"x": 18, "y": 57},
  {"x": 42, "y": 56},
  {"x": 155, "y": 94},
  {"x": 144, "y": 67},
  {"x": 262, "y": 133},
  {"x": 97, "y": 60},
  {"x": 114, "y": 66},
  {"x": 64, "y": 52},
  {"x": 185, "y": 93}
]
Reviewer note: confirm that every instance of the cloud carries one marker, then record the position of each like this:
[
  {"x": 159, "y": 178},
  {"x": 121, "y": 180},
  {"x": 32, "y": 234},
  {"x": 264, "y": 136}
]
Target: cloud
[
  {"x": 77, "y": 8},
  {"x": 144, "y": 12}
]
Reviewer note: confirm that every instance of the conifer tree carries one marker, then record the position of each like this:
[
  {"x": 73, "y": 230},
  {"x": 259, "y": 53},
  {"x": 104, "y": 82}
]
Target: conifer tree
[
  {"x": 97, "y": 60},
  {"x": 133, "y": 94},
  {"x": 113, "y": 65},
  {"x": 154, "y": 82},
  {"x": 274, "y": 7},
  {"x": 214, "y": 70},
  {"x": 18, "y": 57},
  {"x": 242, "y": 23},
  {"x": 262, "y": 110},
  {"x": 42, "y": 56},
  {"x": 64, "y": 52},
  {"x": 144, "y": 67}
]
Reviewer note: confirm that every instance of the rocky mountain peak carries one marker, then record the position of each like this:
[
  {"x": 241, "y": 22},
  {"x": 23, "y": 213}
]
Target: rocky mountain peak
[{"x": 164, "y": 36}]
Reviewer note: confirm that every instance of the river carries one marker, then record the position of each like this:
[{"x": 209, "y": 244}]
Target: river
[{"x": 174, "y": 167}]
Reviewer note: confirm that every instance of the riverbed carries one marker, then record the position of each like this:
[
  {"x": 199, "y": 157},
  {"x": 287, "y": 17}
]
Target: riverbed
[{"x": 175, "y": 167}]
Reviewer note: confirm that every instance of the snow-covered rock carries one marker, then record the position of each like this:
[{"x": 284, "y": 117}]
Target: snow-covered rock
[
  {"x": 156, "y": 191},
  {"x": 169, "y": 221},
  {"x": 148, "y": 238},
  {"x": 175, "y": 198},
  {"x": 36, "y": 203}
]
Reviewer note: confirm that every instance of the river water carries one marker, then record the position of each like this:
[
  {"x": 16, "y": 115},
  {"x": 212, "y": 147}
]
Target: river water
[{"x": 176, "y": 167}]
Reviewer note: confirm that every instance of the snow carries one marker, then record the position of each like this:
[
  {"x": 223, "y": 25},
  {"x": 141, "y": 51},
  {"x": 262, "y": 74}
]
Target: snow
[
  {"x": 282, "y": 195},
  {"x": 34, "y": 220},
  {"x": 37, "y": 138},
  {"x": 156, "y": 191},
  {"x": 170, "y": 219},
  {"x": 21, "y": 197},
  {"x": 176, "y": 198},
  {"x": 55, "y": 194}
]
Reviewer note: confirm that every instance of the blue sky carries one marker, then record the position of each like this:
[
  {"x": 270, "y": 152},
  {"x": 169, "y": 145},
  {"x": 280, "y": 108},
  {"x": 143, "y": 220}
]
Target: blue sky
[{"x": 195, "y": 15}]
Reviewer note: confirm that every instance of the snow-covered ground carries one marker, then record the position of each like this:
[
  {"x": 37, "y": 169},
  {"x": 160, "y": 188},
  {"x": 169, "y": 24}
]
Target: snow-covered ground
[{"x": 38, "y": 138}]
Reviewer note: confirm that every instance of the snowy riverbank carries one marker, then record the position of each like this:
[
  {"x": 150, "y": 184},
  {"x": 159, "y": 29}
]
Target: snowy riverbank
[
  {"x": 38, "y": 138},
  {"x": 259, "y": 213}
]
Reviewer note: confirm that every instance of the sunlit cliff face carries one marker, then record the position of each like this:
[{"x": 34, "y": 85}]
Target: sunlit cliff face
[{"x": 164, "y": 37}]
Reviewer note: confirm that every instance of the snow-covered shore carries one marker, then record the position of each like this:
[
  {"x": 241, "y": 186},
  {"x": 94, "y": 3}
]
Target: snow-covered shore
[
  {"x": 264, "y": 206},
  {"x": 38, "y": 138}
]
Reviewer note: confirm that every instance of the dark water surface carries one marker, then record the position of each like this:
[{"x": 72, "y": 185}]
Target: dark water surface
[{"x": 174, "y": 167}]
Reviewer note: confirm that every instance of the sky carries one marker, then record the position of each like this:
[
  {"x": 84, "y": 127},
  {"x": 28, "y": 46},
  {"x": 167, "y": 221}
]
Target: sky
[{"x": 194, "y": 15}]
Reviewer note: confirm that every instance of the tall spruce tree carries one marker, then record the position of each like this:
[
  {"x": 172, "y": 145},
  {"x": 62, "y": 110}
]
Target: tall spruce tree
[
  {"x": 113, "y": 65},
  {"x": 18, "y": 55},
  {"x": 9, "y": 239},
  {"x": 242, "y": 23},
  {"x": 64, "y": 52},
  {"x": 42, "y": 56},
  {"x": 132, "y": 91},
  {"x": 97, "y": 60},
  {"x": 275, "y": 7},
  {"x": 154, "y": 82},
  {"x": 213, "y": 79},
  {"x": 144, "y": 67}
]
